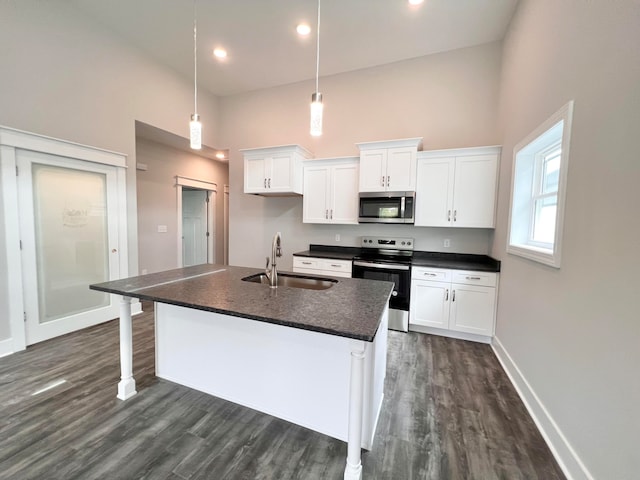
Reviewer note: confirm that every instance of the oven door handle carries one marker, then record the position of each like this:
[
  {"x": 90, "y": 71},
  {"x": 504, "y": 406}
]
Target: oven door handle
[{"x": 381, "y": 266}]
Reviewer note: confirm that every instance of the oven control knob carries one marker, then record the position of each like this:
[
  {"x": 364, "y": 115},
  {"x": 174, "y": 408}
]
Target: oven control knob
[
  {"x": 370, "y": 241},
  {"x": 394, "y": 293},
  {"x": 403, "y": 242},
  {"x": 408, "y": 243}
]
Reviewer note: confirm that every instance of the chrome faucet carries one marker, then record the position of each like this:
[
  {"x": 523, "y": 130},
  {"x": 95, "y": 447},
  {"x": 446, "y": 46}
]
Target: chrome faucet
[{"x": 276, "y": 251}]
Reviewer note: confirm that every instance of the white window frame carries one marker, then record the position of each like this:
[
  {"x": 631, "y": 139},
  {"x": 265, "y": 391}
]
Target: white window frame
[{"x": 526, "y": 181}]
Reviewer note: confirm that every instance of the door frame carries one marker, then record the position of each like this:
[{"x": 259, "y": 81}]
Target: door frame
[
  {"x": 11, "y": 140},
  {"x": 212, "y": 189}
]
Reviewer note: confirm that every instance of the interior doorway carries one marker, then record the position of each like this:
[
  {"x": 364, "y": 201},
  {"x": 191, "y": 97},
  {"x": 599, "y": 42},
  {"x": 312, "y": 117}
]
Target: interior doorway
[
  {"x": 196, "y": 221},
  {"x": 195, "y": 226}
]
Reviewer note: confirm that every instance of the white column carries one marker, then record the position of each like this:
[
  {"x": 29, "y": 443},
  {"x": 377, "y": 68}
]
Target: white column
[
  {"x": 127, "y": 385},
  {"x": 353, "y": 470}
]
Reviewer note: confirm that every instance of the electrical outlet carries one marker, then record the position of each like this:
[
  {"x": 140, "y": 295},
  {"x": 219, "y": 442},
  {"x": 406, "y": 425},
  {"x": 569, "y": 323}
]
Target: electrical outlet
[
  {"x": 337, "y": 237},
  {"x": 447, "y": 243}
]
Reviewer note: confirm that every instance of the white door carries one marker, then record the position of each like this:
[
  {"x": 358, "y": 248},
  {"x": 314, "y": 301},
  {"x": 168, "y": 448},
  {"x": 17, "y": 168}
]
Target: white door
[
  {"x": 475, "y": 191},
  {"x": 344, "y": 194},
  {"x": 430, "y": 303},
  {"x": 69, "y": 234},
  {"x": 373, "y": 170},
  {"x": 315, "y": 201},
  {"x": 401, "y": 169},
  {"x": 434, "y": 192},
  {"x": 194, "y": 227}
]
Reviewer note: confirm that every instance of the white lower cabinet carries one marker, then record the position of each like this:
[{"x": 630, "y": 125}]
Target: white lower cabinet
[
  {"x": 322, "y": 266},
  {"x": 454, "y": 302}
]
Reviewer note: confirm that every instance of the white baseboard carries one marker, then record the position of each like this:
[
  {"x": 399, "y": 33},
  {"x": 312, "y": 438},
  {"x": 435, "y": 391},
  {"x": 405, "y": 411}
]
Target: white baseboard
[
  {"x": 413, "y": 327},
  {"x": 6, "y": 347},
  {"x": 565, "y": 455}
]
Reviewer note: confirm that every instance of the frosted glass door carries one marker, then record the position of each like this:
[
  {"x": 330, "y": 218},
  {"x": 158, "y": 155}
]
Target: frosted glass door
[{"x": 68, "y": 242}]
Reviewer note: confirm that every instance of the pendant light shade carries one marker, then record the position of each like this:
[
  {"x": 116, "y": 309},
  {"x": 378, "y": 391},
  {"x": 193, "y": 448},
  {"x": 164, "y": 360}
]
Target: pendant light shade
[
  {"x": 195, "y": 132},
  {"x": 316, "y": 114},
  {"x": 195, "y": 127},
  {"x": 316, "y": 99}
]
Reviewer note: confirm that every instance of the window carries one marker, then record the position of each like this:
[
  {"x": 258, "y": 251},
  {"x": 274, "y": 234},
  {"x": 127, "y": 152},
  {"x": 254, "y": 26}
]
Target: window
[{"x": 538, "y": 190}]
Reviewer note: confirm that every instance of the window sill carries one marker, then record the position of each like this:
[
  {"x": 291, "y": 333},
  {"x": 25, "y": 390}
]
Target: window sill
[{"x": 541, "y": 255}]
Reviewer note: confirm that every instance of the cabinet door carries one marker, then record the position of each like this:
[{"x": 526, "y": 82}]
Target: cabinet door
[
  {"x": 475, "y": 191},
  {"x": 280, "y": 172},
  {"x": 472, "y": 309},
  {"x": 373, "y": 175},
  {"x": 430, "y": 303},
  {"x": 315, "y": 199},
  {"x": 344, "y": 194},
  {"x": 401, "y": 169},
  {"x": 254, "y": 175},
  {"x": 434, "y": 192}
]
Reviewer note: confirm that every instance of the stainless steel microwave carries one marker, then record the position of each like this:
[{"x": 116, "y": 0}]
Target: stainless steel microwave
[{"x": 386, "y": 207}]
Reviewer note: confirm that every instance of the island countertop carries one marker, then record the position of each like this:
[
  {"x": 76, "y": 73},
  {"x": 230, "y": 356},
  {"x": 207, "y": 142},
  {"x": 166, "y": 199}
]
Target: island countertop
[{"x": 351, "y": 308}]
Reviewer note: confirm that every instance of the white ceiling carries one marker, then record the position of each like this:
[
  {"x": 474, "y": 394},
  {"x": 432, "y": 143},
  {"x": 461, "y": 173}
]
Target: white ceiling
[{"x": 264, "y": 49}]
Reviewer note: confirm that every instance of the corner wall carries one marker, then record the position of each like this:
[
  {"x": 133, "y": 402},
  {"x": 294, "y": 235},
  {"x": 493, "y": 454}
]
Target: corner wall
[
  {"x": 450, "y": 99},
  {"x": 573, "y": 333},
  {"x": 157, "y": 201}
]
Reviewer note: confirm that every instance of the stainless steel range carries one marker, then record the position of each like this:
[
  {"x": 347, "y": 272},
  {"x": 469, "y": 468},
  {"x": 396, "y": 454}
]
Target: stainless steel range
[{"x": 389, "y": 259}]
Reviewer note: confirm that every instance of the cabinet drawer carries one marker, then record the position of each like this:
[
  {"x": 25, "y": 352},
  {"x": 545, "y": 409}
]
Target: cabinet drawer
[
  {"x": 434, "y": 274},
  {"x": 307, "y": 262},
  {"x": 486, "y": 279},
  {"x": 337, "y": 266}
]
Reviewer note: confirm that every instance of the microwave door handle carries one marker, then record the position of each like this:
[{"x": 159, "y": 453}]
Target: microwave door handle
[{"x": 402, "y": 206}]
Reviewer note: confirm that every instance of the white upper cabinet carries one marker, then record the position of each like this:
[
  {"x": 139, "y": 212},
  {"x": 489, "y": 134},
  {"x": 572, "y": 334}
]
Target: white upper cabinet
[
  {"x": 388, "y": 166},
  {"x": 331, "y": 191},
  {"x": 457, "y": 188},
  {"x": 274, "y": 171}
]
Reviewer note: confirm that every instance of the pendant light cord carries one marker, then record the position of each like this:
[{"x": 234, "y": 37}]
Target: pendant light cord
[
  {"x": 318, "y": 49},
  {"x": 195, "y": 60}
]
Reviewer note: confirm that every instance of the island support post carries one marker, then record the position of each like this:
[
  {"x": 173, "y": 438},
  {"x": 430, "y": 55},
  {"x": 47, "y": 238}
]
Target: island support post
[
  {"x": 353, "y": 470},
  {"x": 127, "y": 385}
]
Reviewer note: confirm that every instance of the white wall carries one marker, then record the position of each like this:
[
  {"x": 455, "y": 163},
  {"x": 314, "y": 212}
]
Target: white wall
[
  {"x": 157, "y": 201},
  {"x": 5, "y": 331},
  {"x": 574, "y": 333},
  {"x": 449, "y": 99},
  {"x": 65, "y": 76}
]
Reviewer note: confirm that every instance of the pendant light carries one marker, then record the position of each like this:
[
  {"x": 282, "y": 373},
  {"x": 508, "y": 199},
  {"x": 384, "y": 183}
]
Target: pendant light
[
  {"x": 316, "y": 98},
  {"x": 195, "y": 127}
]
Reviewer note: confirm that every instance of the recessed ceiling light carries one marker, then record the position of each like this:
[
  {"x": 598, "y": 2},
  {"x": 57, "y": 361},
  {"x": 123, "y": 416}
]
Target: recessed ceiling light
[
  {"x": 415, "y": 2},
  {"x": 303, "y": 29},
  {"x": 220, "y": 155},
  {"x": 220, "y": 53}
]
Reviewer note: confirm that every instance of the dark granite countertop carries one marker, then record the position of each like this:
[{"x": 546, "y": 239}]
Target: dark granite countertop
[
  {"x": 455, "y": 261},
  {"x": 351, "y": 308}
]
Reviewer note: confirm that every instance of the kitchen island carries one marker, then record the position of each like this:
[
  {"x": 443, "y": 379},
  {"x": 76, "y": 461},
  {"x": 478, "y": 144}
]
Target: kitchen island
[{"x": 316, "y": 358}]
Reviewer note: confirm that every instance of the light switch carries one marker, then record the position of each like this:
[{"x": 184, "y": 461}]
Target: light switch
[{"x": 162, "y": 229}]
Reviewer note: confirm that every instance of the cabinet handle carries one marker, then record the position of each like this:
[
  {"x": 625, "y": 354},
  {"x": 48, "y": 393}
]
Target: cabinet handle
[
  {"x": 430, "y": 274},
  {"x": 306, "y": 263},
  {"x": 265, "y": 183},
  {"x": 382, "y": 181},
  {"x": 446, "y": 299},
  {"x": 453, "y": 295},
  {"x": 337, "y": 266},
  {"x": 388, "y": 180},
  {"x": 448, "y": 215},
  {"x": 269, "y": 183},
  {"x": 473, "y": 278},
  {"x": 326, "y": 214},
  {"x": 331, "y": 214},
  {"x": 455, "y": 214}
]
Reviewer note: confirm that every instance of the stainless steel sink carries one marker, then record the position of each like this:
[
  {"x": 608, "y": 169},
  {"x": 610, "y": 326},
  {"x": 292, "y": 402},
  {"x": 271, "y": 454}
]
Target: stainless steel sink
[{"x": 295, "y": 281}]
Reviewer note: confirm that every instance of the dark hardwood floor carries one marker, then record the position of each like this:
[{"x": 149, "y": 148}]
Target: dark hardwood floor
[{"x": 449, "y": 413}]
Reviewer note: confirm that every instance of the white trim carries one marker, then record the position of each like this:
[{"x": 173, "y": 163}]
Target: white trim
[
  {"x": 403, "y": 142},
  {"x": 6, "y": 347},
  {"x": 565, "y": 455},
  {"x": 539, "y": 135},
  {"x": 461, "y": 152},
  {"x": 442, "y": 332},
  {"x": 41, "y": 143},
  {"x": 209, "y": 187},
  {"x": 12, "y": 245}
]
